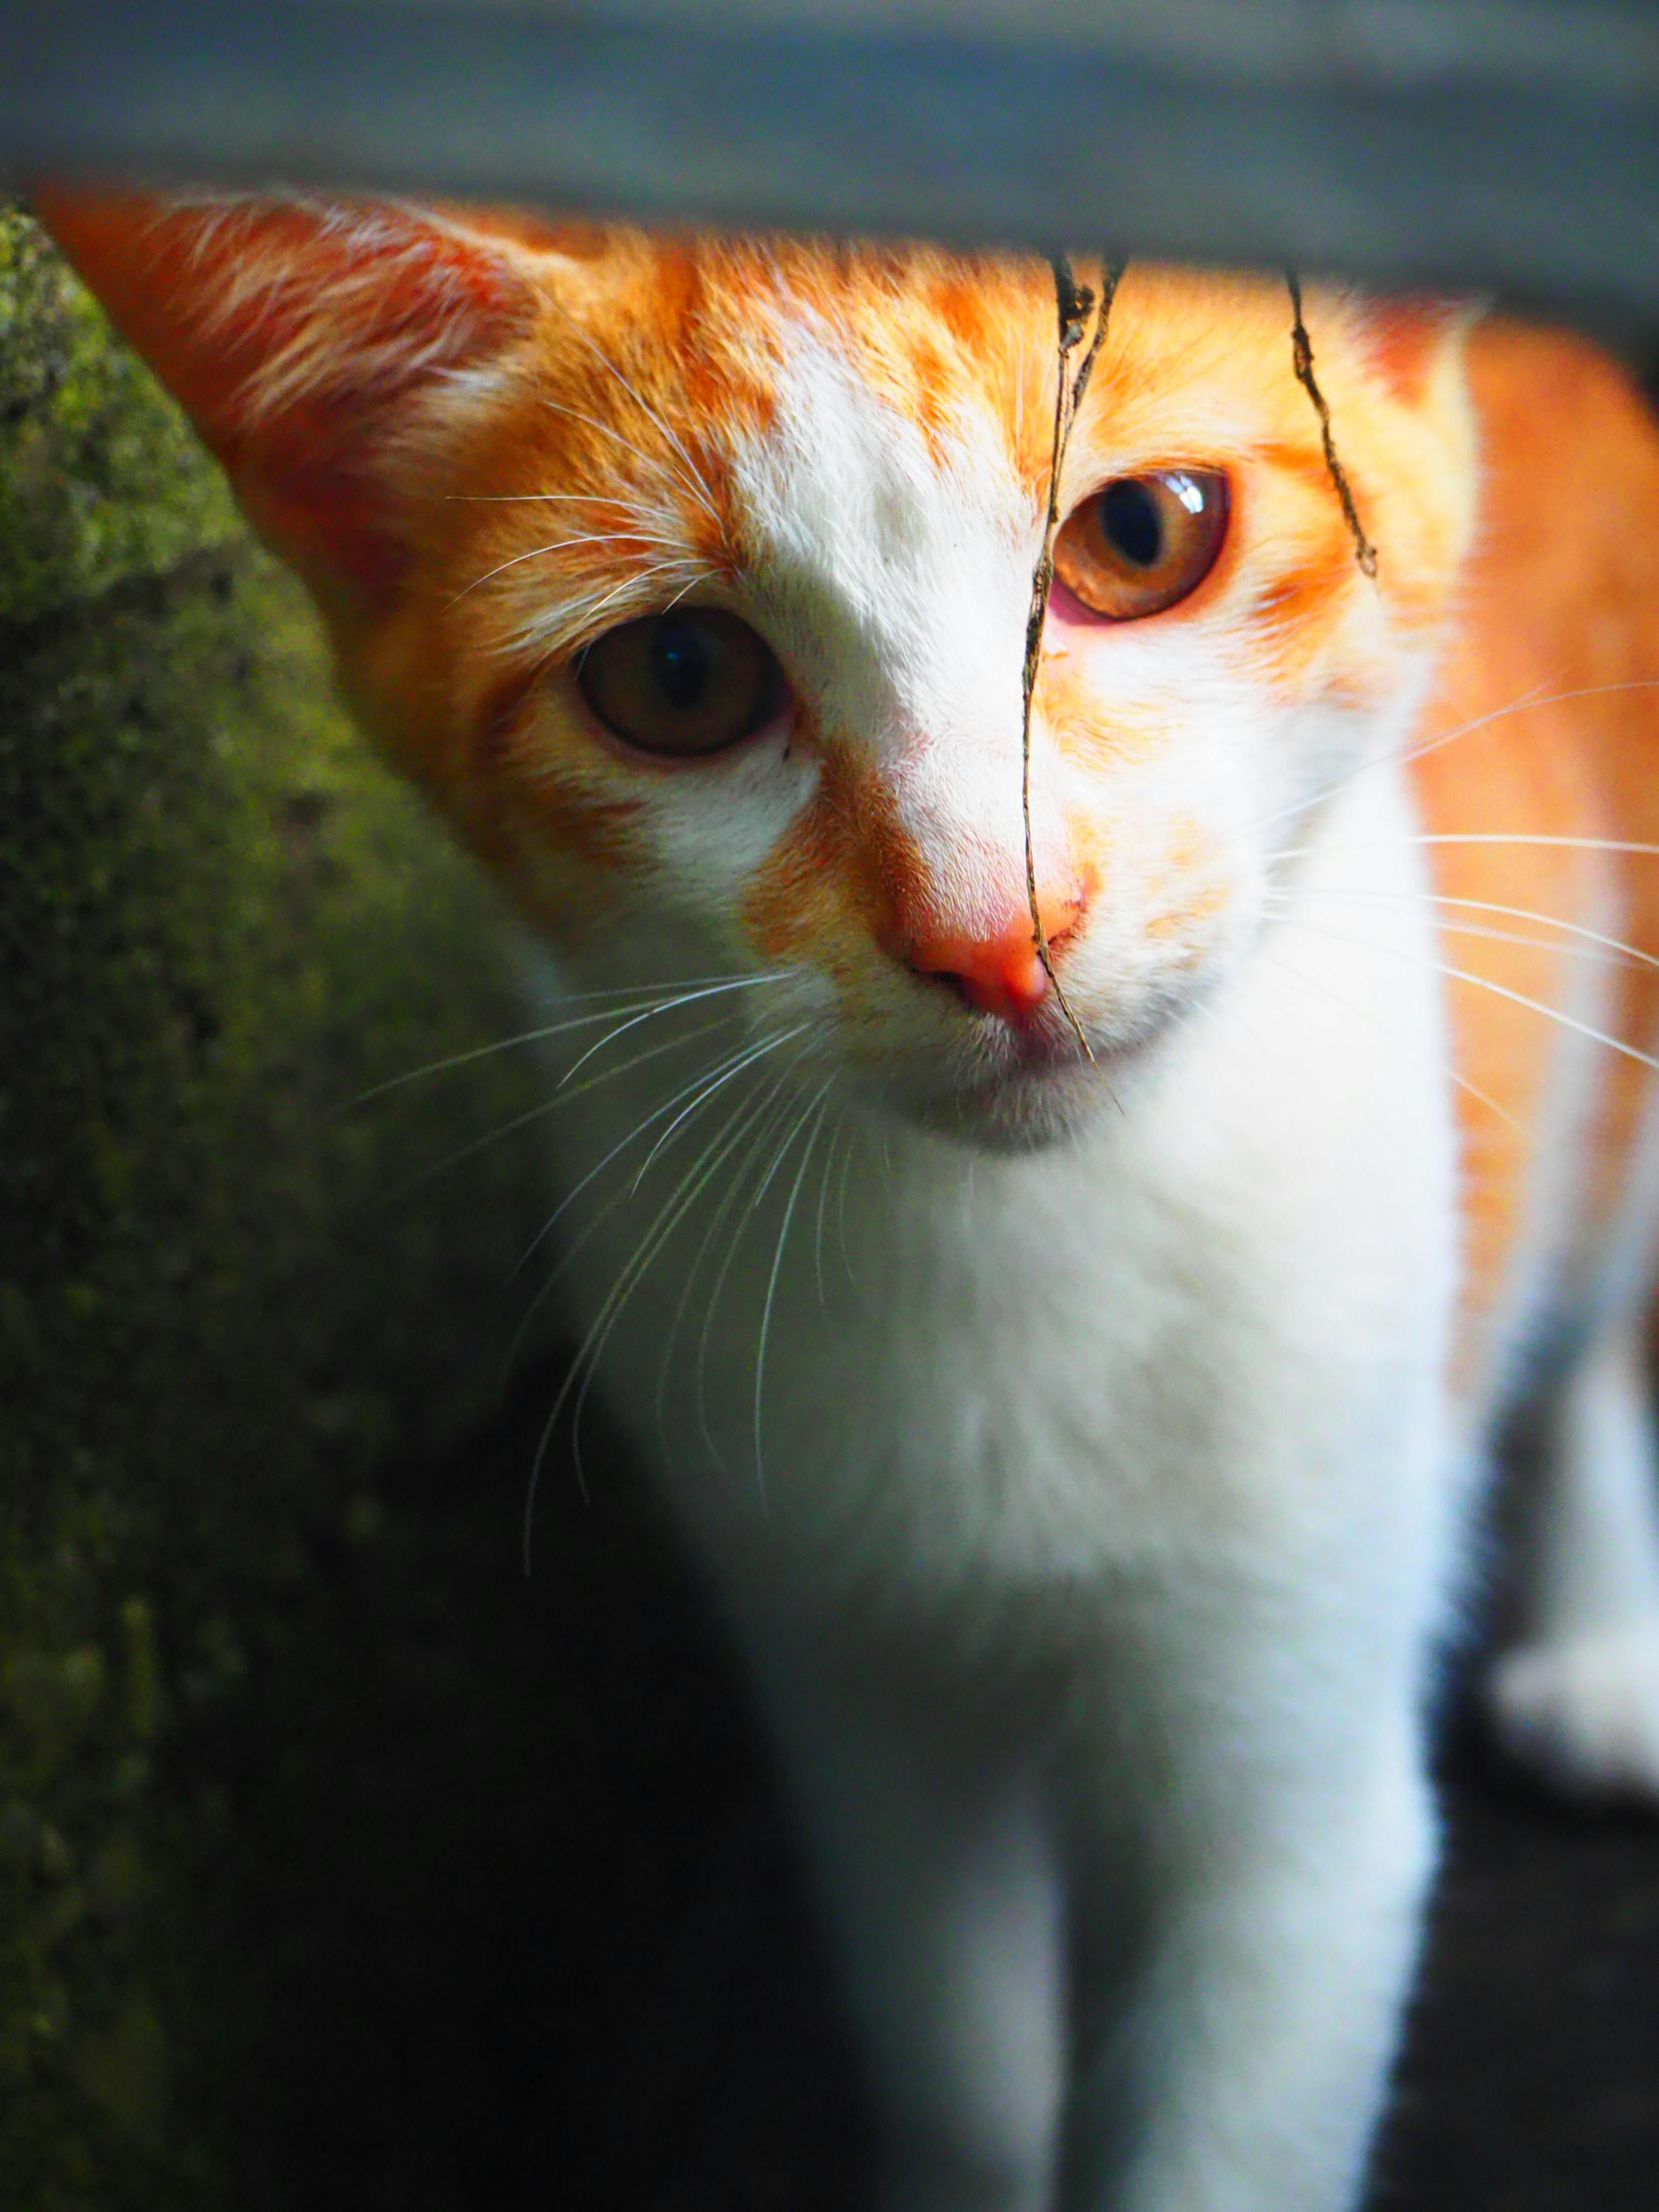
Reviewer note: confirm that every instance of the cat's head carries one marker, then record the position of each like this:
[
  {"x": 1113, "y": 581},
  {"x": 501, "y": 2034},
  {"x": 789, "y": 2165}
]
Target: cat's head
[{"x": 692, "y": 578}]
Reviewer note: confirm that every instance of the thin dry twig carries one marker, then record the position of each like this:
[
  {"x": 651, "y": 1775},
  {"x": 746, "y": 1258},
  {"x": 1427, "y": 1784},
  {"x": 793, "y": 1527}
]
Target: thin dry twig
[
  {"x": 1302, "y": 359},
  {"x": 1072, "y": 303}
]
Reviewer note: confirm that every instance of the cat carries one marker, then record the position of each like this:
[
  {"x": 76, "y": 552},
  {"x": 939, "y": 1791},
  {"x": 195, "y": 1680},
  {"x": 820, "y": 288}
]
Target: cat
[{"x": 1082, "y": 1431}]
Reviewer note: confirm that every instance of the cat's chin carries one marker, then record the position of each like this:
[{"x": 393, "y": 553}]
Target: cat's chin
[{"x": 1027, "y": 1111}]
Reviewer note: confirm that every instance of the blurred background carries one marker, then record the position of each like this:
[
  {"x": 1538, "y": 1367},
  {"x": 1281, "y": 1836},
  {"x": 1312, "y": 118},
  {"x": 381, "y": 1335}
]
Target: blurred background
[{"x": 340, "y": 1865}]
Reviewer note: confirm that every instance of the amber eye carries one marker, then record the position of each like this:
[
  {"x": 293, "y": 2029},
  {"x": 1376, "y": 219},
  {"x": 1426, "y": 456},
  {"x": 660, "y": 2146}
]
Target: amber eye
[
  {"x": 1143, "y": 542},
  {"x": 691, "y": 682}
]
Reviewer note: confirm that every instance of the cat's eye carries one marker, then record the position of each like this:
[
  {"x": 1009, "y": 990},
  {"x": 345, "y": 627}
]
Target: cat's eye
[
  {"x": 1142, "y": 544},
  {"x": 689, "y": 682}
]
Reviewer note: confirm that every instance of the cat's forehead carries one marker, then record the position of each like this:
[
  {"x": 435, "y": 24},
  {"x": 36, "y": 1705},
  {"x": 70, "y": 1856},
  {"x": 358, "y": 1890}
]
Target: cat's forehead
[
  {"x": 876, "y": 382},
  {"x": 890, "y": 557},
  {"x": 851, "y": 447},
  {"x": 952, "y": 346},
  {"x": 846, "y": 481}
]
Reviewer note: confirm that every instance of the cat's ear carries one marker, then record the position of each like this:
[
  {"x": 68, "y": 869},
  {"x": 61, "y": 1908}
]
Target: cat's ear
[
  {"x": 1413, "y": 338},
  {"x": 301, "y": 337}
]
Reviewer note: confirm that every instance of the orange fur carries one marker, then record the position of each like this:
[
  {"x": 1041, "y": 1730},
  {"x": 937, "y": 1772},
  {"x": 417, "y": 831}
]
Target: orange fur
[
  {"x": 327, "y": 360},
  {"x": 1561, "y": 604}
]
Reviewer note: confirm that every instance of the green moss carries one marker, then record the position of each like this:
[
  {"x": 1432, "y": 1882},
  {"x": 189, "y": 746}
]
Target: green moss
[
  {"x": 100, "y": 478},
  {"x": 222, "y": 922}
]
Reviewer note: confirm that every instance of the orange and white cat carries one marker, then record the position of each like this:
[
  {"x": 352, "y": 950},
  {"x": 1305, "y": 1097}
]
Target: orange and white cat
[{"x": 1082, "y": 1449}]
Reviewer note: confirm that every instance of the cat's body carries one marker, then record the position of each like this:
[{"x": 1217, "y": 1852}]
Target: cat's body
[
  {"x": 1083, "y": 1455},
  {"x": 1059, "y": 1619}
]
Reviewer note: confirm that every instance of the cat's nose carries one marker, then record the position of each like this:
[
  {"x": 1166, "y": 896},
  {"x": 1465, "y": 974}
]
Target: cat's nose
[{"x": 997, "y": 972}]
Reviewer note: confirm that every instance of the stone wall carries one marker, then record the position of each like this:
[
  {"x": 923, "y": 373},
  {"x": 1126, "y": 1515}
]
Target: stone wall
[{"x": 231, "y": 1301}]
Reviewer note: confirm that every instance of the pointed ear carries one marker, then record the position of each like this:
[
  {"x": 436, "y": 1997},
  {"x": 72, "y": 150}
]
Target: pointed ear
[
  {"x": 1411, "y": 338},
  {"x": 300, "y": 338}
]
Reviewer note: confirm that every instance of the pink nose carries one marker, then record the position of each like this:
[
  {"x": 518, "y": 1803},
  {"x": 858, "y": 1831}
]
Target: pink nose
[{"x": 1000, "y": 973}]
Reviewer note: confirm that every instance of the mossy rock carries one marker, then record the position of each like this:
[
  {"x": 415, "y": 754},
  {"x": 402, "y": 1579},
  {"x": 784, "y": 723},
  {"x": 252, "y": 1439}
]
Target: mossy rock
[
  {"x": 230, "y": 1299},
  {"x": 100, "y": 475}
]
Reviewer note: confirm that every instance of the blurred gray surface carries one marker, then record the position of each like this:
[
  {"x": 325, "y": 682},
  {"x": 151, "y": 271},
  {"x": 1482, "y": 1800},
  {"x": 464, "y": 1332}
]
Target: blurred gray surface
[{"x": 1510, "y": 145}]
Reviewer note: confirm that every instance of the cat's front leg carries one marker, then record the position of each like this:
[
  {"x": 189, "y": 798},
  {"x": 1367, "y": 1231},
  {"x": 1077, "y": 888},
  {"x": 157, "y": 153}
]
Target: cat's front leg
[
  {"x": 933, "y": 1862},
  {"x": 1577, "y": 1699},
  {"x": 1243, "y": 2066}
]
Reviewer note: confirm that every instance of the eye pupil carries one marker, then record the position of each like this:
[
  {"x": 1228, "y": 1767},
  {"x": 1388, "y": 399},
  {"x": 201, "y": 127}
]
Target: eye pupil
[
  {"x": 680, "y": 663},
  {"x": 1132, "y": 524}
]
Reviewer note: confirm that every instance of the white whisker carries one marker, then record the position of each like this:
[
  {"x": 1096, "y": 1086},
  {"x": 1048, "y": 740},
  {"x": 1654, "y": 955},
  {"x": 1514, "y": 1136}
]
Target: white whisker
[
  {"x": 684, "y": 1197},
  {"x": 730, "y": 1067},
  {"x": 624, "y": 999},
  {"x": 651, "y": 460},
  {"x": 593, "y": 1343},
  {"x": 753, "y": 1114},
  {"x": 1571, "y": 944},
  {"x": 584, "y": 616},
  {"x": 1632, "y": 953},
  {"x": 760, "y": 1138},
  {"x": 1486, "y": 984},
  {"x": 1361, "y": 1014},
  {"x": 1527, "y": 838},
  {"x": 836, "y": 1136},
  {"x": 821, "y": 1101},
  {"x": 739, "y": 1058},
  {"x": 536, "y": 1112},
  {"x": 1523, "y": 703},
  {"x": 841, "y": 1209},
  {"x": 695, "y": 482},
  {"x": 610, "y": 499},
  {"x": 742, "y": 1061},
  {"x": 650, "y": 1013},
  {"x": 563, "y": 546}
]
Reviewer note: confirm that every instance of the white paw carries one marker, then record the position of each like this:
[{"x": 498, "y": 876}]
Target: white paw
[{"x": 1583, "y": 1714}]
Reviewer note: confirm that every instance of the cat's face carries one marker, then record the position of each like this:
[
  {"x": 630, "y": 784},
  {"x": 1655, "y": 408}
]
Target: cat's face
[{"x": 694, "y": 579}]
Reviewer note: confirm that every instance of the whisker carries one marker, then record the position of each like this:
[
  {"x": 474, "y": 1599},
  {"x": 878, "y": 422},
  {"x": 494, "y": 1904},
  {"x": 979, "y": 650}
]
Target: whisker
[
  {"x": 1532, "y": 697},
  {"x": 841, "y": 1210},
  {"x": 684, "y": 1196},
  {"x": 778, "y": 1160},
  {"x": 701, "y": 576},
  {"x": 652, "y": 460},
  {"x": 1522, "y": 704},
  {"x": 1595, "y": 937},
  {"x": 740, "y": 1058},
  {"x": 1361, "y": 1014},
  {"x": 754, "y": 1112},
  {"x": 821, "y": 1101},
  {"x": 741, "y": 1061},
  {"x": 593, "y": 1343},
  {"x": 623, "y": 999},
  {"x": 762, "y": 1136},
  {"x": 632, "y": 1274},
  {"x": 836, "y": 1136},
  {"x": 1516, "y": 837},
  {"x": 650, "y": 1013},
  {"x": 732, "y": 1067},
  {"x": 1605, "y": 951},
  {"x": 610, "y": 499},
  {"x": 1486, "y": 984},
  {"x": 586, "y": 616},
  {"x": 546, "y": 1106},
  {"x": 1484, "y": 837},
  {"x": 563, "y": 546},
  {"x": 698, "y": 483}
]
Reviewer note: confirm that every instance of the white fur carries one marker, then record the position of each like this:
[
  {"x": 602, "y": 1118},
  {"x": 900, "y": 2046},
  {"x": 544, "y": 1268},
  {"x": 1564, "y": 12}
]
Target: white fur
[
  {"x": 1090, "y": 1576},
  {"x": 1087, "y": 1511}
]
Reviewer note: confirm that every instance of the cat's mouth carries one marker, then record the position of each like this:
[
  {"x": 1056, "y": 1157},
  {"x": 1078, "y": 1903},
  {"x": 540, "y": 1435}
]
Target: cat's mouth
[
  {"x": 1038, "y": 1087},
  {"x": 1033, "y": 1083}
]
